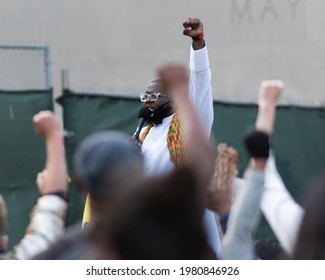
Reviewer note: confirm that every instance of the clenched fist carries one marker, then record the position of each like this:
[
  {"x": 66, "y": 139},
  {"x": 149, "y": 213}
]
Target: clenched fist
[
  {"x": 173, "y": 76},
  {"x": 270, "y": 92},
  {"x": 46, "y": 123},
  {"x": 193, "y": 27}
]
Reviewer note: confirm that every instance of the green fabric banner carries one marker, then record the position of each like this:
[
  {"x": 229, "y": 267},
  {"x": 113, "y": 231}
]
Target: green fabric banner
[
  {"x": 22, "y": 155},
  {"x": 298, "y": 144},
  {"x": 298, "y": 138}
]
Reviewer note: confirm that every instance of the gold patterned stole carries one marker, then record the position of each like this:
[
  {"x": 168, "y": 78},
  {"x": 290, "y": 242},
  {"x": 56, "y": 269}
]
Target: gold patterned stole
[{"x": 174, "y": 140}]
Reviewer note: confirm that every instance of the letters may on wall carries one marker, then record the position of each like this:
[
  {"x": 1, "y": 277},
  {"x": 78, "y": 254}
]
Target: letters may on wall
[
  {"x": 252, "y": 21},
  {"x": 251, "y": 11}
]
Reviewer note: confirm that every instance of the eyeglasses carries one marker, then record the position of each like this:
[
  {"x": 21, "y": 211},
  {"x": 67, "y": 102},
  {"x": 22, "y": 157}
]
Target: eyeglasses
[{"x": 153, "y": 96}]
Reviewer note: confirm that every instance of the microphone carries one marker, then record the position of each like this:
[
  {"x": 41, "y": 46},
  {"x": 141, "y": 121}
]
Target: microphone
[{"x": 144, "y": 115}]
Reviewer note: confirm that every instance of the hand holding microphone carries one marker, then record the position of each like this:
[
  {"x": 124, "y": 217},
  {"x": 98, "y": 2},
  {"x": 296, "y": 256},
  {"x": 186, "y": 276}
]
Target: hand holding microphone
[{"x": 144, "y": 115}]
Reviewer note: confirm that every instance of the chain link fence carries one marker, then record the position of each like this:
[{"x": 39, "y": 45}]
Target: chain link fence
[{"x": 24, "y": 66}]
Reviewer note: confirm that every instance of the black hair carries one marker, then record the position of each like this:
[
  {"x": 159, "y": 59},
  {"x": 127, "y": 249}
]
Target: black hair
[
  {"x": 268, "y": 249},
  {"x": 162, "y": 219}
]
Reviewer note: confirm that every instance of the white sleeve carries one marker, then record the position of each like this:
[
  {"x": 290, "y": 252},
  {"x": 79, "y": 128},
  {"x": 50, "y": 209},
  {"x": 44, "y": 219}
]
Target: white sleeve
[
  {"x": 282, "y": 212},
  {"x": 200, "y": 87},
  {"x": 212, "y": 231},
  {"x": 47, "y": 224}
]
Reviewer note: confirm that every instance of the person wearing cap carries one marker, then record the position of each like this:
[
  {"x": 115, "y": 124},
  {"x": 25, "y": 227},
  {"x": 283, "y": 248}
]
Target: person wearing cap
[{"x": 106, "y": 165}]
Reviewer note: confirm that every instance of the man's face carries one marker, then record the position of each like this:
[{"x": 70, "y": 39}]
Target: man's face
[{"x": 155, "y": 87}]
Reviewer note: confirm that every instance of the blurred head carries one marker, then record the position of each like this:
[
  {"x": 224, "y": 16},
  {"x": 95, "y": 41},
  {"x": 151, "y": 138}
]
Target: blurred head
[
  {"x": 162, "y": 219},
  {"x": 107, "y": 163},
  {"x": 310, "y": 243}
]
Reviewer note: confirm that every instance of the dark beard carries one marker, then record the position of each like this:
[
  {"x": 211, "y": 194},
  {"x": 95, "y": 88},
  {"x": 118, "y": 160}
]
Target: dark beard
[{"x": 160, "y": 113}]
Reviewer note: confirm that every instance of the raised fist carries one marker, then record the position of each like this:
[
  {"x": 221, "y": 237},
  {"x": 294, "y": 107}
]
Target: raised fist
[
  {"x": 46, "y": 123},
  {"x": 193, "y": 27},
  {"x": 173, "y": 75},
  {"x": 270, "y": 92}
]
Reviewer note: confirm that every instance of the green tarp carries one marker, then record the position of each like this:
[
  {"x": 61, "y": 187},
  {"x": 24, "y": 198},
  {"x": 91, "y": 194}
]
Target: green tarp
[
  {"x": 298, "y": 143},
  {"x": 22, "y": 155},
  {"x": 298, "y": 139}
]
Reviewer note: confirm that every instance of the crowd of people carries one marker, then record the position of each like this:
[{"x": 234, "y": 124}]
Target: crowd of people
[{"x": 170, "y": 191}]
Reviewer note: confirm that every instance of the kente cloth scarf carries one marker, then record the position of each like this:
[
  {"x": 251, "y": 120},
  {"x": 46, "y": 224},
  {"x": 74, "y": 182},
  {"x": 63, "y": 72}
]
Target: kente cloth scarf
[{"x": 174, "y": 140}]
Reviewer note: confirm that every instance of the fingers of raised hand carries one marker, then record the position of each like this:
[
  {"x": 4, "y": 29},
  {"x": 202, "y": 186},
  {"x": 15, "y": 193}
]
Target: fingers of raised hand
[
  {"x": 43, "y": 116},
  {"x": 173, "y": 74},
  {"x": 271, "y": 90},
  {"x": 45, "y": 121},
  {"x": 272, "y": 84},
  {"x": 192, "y": 27}
]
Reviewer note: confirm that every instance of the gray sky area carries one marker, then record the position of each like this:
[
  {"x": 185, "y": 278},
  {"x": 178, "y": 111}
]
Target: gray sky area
[{"x": 115, "y": 46}]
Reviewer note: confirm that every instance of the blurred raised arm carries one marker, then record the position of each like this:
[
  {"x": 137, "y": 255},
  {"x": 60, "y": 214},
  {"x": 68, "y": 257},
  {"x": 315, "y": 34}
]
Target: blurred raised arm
[
  {"x": 281, "y": 211},
  {"x": 244, "y": 216},
  {"x": 198, "y": 152},
  {"x": 47, "y": 222}
]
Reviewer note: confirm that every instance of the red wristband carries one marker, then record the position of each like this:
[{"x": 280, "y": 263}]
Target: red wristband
[{"x": 198, "y": 38}]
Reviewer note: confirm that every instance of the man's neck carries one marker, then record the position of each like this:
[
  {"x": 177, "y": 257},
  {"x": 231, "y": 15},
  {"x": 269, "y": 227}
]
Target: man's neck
[{"x": 160, "y": 118}]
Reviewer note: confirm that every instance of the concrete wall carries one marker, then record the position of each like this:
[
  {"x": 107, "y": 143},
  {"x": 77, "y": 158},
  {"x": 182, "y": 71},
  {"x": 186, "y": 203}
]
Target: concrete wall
[{"x": 117, "y": 45}]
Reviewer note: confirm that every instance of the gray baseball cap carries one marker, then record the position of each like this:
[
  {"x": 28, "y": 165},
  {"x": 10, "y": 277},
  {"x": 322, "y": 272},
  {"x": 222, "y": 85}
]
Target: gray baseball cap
[{"x": 106, "y": 160}]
